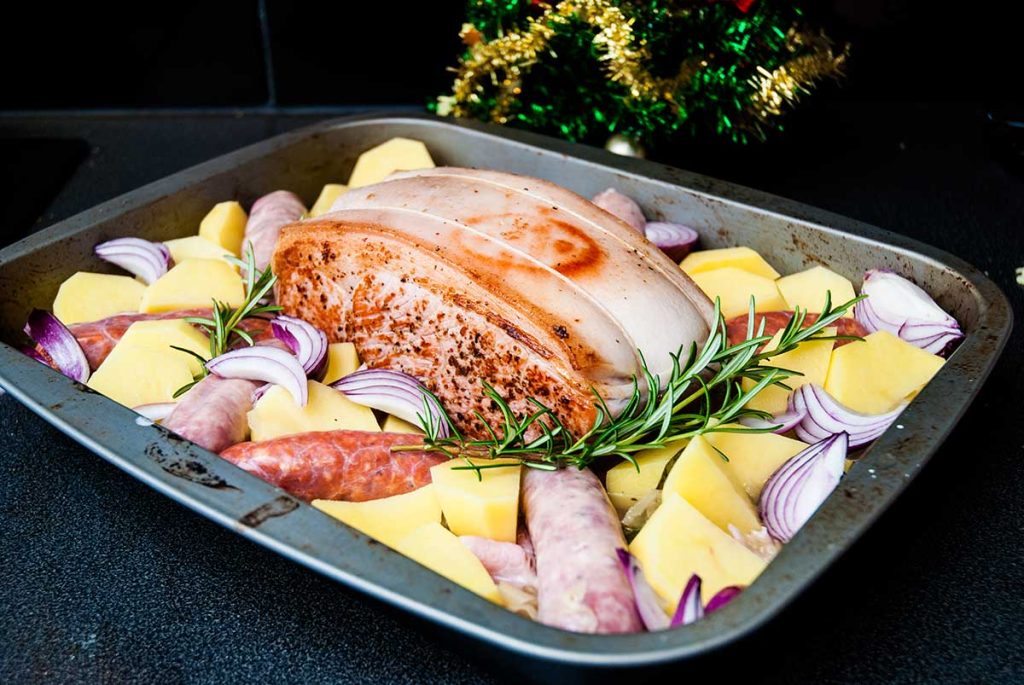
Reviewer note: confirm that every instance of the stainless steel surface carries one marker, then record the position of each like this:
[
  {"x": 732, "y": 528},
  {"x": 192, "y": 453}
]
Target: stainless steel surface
[{"x": 791, "y": 236}]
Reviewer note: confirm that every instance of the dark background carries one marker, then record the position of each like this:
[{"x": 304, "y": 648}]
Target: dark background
[{"x": 107, "y": 581}]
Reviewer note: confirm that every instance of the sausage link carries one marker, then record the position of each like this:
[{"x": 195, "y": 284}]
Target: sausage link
[
  {"x": 580, "y": 585},
  {"x": 268, "y": 216},
  {"x": 213, "y": 413},
  {"x": 342, "y": 465}
]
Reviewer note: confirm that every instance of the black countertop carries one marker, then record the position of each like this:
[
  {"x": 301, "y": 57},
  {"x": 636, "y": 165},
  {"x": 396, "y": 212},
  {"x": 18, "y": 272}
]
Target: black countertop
[{"x": 107, "y": 580}]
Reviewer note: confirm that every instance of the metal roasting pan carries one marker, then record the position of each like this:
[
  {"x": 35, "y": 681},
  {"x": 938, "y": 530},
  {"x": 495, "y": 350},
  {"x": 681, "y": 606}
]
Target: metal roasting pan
[{"x": 792, "y": 237}]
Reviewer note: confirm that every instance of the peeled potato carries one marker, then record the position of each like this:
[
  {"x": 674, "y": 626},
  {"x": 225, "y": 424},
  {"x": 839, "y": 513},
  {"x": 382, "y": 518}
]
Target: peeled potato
[
  {"x": 225, "y": 226},
  {"x": 194, "y": 283},
  {"x": 397, "y": 154},
  {"x": 328, "y": 195},
  {"x": 197, "y": 247},
  {"x": 133, "y": 375},
  {"x": 90, "y": 297}
]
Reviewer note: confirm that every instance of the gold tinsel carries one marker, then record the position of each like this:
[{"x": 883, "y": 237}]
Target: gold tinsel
[{"x": 503, "y": 62}]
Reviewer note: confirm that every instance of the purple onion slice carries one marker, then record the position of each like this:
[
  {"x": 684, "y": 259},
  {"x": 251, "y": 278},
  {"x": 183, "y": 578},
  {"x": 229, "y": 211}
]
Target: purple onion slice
[
  {"x": 824, "y": 417},
  {"x": 647, "y": 603},
  {"x": 57, "y": 340},
  {"x": 675, "y": 240},
  {"x": 149, "y": 261},
  {"x": 308, "y": 343},
  {"x": 689, "y": 608},
  {"x": 264, "y": 363},
  {"x": 795, "y": 491},
  {"x": 900, "y": 307},
  {"x": 396, "y": 393}
]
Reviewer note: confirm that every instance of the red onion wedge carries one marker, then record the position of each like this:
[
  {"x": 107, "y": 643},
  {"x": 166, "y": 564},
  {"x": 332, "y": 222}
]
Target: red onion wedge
[
  {"x": 158, "y": 411},
  {"x": 59, "y": 343},
  {"x": 622, "y": 206},
  {"x": 264, "y": 363},
  {"x": 149, "y": 261},
  {"x": 30, "y": 351},
  {"x": 896, "y": 305},
  {"x": 796, "y": 490},
  {"x": 825, "y": 417},
  {"x": 722, "y": 597},
  {"x": 308, "y": 343},
  {"x": 689, "y": 608},
  {"x": 781, "y": 423},
  {"x": 675, "y": 240},
  {"x": 647, "y": 603},
  {"x": 396, "y": 393}
]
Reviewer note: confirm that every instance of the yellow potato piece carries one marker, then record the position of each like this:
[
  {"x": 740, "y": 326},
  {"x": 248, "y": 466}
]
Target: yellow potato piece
[
  {"x": 486, "y": 505},
  {"x": 735, "y": 286},
  {"x": 753, "y": 457},
  {"x": 390, "y": 519},
  {"x": 810, "y": 358},
  {"x": 626, "y": 485},
  {"x": 162, "y": 334},
  {"x": 133, "y": 375},
  {"x": 877, "y": 374},
  {"x": 330, "y": 193},
  {"x": 194, "y": 283},
  {"x": 698, "y": 476},
  {"x": 276, "y": 413},
  {"x": 342, "y": 359},
  {"x": 393, "y": 424},
  {"x": 679, "y": 541},
  {"x": 443, "y": 553},
  {"x": 397, "y": 154},
  {"x": 197, "y": 247},
  {"x": 807, "y": 289},
  {"x": 742, "y": 258},
  {"x": 224, "y": 225},
  {"x": 87, "y": 296}
]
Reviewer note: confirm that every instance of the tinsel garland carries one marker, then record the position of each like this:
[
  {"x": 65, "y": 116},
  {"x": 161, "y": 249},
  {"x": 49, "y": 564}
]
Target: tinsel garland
[{"x": 533, "y": 64}]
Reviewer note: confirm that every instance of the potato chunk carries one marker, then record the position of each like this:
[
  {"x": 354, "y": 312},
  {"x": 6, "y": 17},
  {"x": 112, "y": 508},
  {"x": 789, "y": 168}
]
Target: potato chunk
[
  {"x": 438, "y": 549},
  {"x": 276, "y": 414},
  {"x": 163, "y": 333},
  {"x": 742, "y": 258},
  {"x": 87, "y": 296},
  {"x": 342, "y": 359},
  {"x": 330, "y": 193},
  {"x": 397, "y": 154},
  {"x": 390, "y": 519},
  {"x": 194, "y": 283},
  {"x": 698, "y": 476},
  {"x": 393, "y": 424},
  {"x": 679, "y": 541},
  {"x": 486, "y": 505},
  {"x": 626, "y": 485},
  {"x": 753, "y": 457},
  {"x": 807, "y": 289},
  {"x": 224, "y": 225},
  {"x": 735, "y": 286},
  {"x": 877, "y": 374},
  {"x": 811, "y": 359},
  {"x": 197, "y": 247},
  {"x": 133, "y": 375}
]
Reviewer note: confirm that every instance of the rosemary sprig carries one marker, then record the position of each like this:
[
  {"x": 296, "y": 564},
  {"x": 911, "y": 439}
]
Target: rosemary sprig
[
  {"x": 222, "y": 326},
  {"x": 704, "y": 393}
]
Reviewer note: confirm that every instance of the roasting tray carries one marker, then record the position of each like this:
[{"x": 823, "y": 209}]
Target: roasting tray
[{"x": 790, "y": 235}]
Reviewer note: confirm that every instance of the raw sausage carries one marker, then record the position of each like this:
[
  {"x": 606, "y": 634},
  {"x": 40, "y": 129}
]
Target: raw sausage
[
  {"x": 344, "y": 465},
  {"x": 575, "y": 532},
  {"x": 776, "y": 321},
  {"x": 213, "y": 413},
  {"x": 506, "y": 562},
  {"x": 266, "y": 218}
]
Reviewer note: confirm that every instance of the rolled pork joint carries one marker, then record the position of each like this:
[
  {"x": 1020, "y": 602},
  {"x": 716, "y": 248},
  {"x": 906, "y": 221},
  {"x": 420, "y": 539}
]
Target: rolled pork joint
[
  {"x": 575, "y": 532},
  {"x": 354, "y": 466},
  {"x": 456, "y": 276},
  {"x": 213, "y": 413},
  {"x": 623, "y": 207},
  {"x": 266, "y": 218}
]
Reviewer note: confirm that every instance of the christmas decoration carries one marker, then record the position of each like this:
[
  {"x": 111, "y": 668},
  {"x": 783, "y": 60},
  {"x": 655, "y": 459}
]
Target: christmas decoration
[{"x": 588, "y": 70}]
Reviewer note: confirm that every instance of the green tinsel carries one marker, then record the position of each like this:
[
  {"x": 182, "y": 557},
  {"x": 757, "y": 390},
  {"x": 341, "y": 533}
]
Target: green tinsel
[{"x": 734, "y": 71}]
